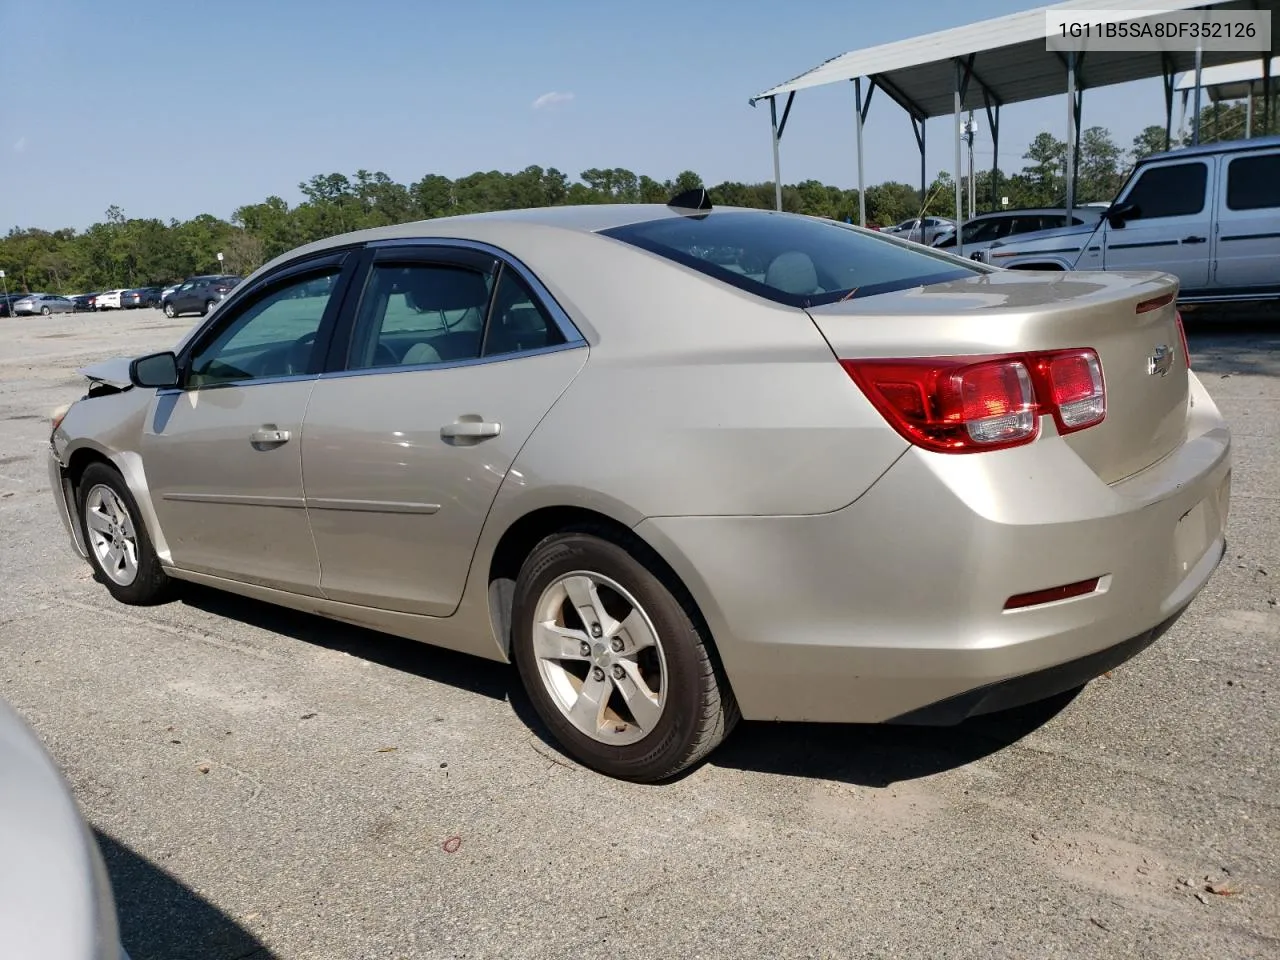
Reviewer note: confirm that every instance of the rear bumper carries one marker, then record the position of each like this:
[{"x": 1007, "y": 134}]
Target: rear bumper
[{"x": 892, "y": 609}]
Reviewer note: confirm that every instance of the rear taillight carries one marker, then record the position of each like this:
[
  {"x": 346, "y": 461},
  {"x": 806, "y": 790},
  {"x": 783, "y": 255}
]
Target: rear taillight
[
  {"x": 1182, "y": 335},
  {"x": 967, "y": 404},
  {"x": 1071, "y": 381}
]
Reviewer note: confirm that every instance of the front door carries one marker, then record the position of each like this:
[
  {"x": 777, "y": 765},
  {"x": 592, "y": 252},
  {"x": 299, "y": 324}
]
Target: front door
[
  {"x": 1248, "y": 241},
  {"x": 405, "y": 448},
  {"x": 1171, "y": 228},
  {"x": 222, "y": 454}
]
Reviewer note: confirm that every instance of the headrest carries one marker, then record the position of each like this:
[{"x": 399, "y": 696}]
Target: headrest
[
  {"x": 443, "y": 288},
  {"x": 792, "y": 272}
]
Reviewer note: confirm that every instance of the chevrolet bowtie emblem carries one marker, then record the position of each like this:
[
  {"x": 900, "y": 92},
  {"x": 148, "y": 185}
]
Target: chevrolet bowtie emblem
[{"x": 1160, "y": 362}]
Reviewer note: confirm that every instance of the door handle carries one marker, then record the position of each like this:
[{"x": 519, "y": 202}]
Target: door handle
[
  {"x": 1194, "y": 239},
  {"x": 471, "y": 429},
  {"x": 269, "y": 435}
]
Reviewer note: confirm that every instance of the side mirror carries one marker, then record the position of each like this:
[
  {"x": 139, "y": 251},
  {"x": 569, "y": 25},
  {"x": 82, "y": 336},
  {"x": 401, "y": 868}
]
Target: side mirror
[
  {"x": 157, "y": 370},
  {"x": 1118, "y": 213}
]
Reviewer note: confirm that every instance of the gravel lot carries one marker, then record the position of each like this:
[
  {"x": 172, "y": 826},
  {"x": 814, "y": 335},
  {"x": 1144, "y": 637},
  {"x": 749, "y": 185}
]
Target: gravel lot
[{"x": 267, "y": 784}]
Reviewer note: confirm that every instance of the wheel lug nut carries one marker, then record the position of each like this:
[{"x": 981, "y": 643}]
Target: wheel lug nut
[
  {"x": 618, "y": 672},
  {"x": 596, "y": 631},
  {"x": 597, "y": 673},
  {"x": 617, "y": 644},
  {"x": 585, "y": 649}
]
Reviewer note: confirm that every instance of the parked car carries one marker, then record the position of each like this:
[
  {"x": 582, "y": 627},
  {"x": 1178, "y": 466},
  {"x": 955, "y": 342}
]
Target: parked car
[
  {"x": 985, "y": 229},
  {"x": 57, "y": 898},
  {"x": 7, "y": 301},
  {"x": 43, "y": 304},
  {"x": 140, "y": 297},
  {"x": 1209, "y": 215},
  {"x": 83, "y": 302},
  {"x": 680, "y": 463},
  {"x": 921, "y": 230},
  {"x": 198, "y": 294},
  {"x": 108, "y": 300}
]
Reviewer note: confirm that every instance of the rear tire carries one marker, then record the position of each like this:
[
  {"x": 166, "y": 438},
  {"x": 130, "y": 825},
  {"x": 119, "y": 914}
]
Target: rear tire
[
  {"x": 120, "y": 549},
  {"x": 593, "y": 683},
  {"x": 45, "y": 311},
  {"x": 208, "y": 305}
]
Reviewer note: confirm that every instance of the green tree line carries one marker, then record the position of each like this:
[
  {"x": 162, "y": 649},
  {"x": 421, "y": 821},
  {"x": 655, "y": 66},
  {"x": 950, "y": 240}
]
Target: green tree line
[{"x": 123, "y": 251}]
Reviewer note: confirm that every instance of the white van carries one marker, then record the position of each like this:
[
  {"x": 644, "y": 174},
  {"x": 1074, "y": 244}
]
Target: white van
[{"x": 1210, "y": 215}]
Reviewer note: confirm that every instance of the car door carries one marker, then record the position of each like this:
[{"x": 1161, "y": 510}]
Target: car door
[
  {"x": 222, "y": 454},
  {"x": 453, "y": 357},
  {"x": 1247, "y": 255},
  {"x": 1170, "y": 228}
]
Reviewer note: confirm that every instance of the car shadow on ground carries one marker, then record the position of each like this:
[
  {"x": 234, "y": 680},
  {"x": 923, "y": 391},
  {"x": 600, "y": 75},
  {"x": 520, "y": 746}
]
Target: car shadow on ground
[
  {"x": 872, "y": 755},
  {"x": 474, "y": 674},
  {"x": 163, "y": 919},
  {"x": 879, "y": 755}
]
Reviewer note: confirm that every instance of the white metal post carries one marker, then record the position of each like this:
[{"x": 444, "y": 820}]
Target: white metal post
[
  {"x": 777, "y": 161},
  {"x": 1195, "y": 119},
  {"x": 862, "y": 194},
  {"x": 1248, "y": 114}
]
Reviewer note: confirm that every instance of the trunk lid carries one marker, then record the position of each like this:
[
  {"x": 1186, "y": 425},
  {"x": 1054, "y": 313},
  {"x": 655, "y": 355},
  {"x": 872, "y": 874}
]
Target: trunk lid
[{"x": 1144, "y": 365}]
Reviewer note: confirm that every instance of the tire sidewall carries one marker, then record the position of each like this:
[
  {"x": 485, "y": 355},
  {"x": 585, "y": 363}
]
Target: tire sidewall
[
  {"x": 662, "y": 748},
  {"x": 151, "y": 580}
]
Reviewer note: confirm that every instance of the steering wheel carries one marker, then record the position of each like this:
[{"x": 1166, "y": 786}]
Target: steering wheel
[{"x": 296, "y": 361}]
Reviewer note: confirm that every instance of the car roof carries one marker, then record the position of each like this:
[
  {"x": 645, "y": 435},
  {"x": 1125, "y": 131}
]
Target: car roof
[
  {"x": 1219, "y": 146},
  {"x": 579, "y": 218}
]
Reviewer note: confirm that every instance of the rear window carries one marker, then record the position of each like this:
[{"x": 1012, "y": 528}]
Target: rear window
[{"x": 799, "y": 261}]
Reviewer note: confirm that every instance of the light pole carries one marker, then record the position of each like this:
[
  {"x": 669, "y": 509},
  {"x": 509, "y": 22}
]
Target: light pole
[{"x": 6, "y": 285}]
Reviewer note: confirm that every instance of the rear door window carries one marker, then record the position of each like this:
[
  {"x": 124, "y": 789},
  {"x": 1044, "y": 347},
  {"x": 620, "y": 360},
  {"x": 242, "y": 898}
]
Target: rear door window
[
  {"x": 1253, "y": 183},
  {"x": 789, "y": 259}
]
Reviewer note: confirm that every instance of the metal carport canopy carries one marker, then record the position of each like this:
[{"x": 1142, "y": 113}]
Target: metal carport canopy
[{"x": 1005, "y": 60}]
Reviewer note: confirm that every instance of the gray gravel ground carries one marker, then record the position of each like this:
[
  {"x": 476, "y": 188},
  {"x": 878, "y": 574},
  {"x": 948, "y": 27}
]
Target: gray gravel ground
[{"x": 267, "y": 784}]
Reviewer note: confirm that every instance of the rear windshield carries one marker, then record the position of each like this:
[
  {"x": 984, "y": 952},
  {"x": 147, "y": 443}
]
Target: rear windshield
[{"x": 799, "y": 261}]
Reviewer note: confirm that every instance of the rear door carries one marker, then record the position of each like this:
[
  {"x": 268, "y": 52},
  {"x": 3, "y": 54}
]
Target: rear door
[
  {"x": 1248, "y": 234},
  {"x": 1171, "y": 227},
  {"x": 453, "y": 355}
]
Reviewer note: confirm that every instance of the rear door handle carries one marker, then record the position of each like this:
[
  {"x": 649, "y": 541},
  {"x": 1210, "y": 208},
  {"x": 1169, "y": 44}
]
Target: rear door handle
[
  {"x": 471, "y": 429},
  {"x": 1194, "y": 239},
  {"x": 269, "y": 435}
]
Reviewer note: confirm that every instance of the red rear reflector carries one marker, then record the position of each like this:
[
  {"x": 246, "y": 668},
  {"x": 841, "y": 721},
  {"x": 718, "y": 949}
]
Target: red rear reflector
[
  {"x": 1146, "y": 306},
  {"x": 1065, "y": 592}
]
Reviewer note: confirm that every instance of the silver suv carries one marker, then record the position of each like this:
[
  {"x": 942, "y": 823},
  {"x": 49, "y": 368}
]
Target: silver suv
[{"x": 1209, "y": 215}]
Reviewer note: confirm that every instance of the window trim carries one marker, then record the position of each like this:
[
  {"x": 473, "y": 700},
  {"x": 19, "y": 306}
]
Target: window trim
[
  {"x": 567, "y": 327},
  {"x": 233, "y": 307},
  {"x": 452, "y": 252}
]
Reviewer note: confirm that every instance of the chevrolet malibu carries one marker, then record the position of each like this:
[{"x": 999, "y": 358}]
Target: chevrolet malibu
[{"x": 681, "y": 464}]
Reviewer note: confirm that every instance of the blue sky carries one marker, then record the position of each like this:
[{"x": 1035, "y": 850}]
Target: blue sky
[{"x": 170, "y": 109}]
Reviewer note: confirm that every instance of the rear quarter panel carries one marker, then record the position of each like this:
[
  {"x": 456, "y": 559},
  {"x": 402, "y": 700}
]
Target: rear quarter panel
[{"x": 697, "y": 399}]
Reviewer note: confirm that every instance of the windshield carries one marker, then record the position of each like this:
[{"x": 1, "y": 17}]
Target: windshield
[{"x": 799, "y": 261}]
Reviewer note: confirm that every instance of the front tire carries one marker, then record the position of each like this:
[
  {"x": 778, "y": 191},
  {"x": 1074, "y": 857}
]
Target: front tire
[
  {"x": 119, "y": 548},
  {"x": 614, "y": 660},
  {"x": 169, "y": 311},
  {"x": 45, "y": 311}
]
